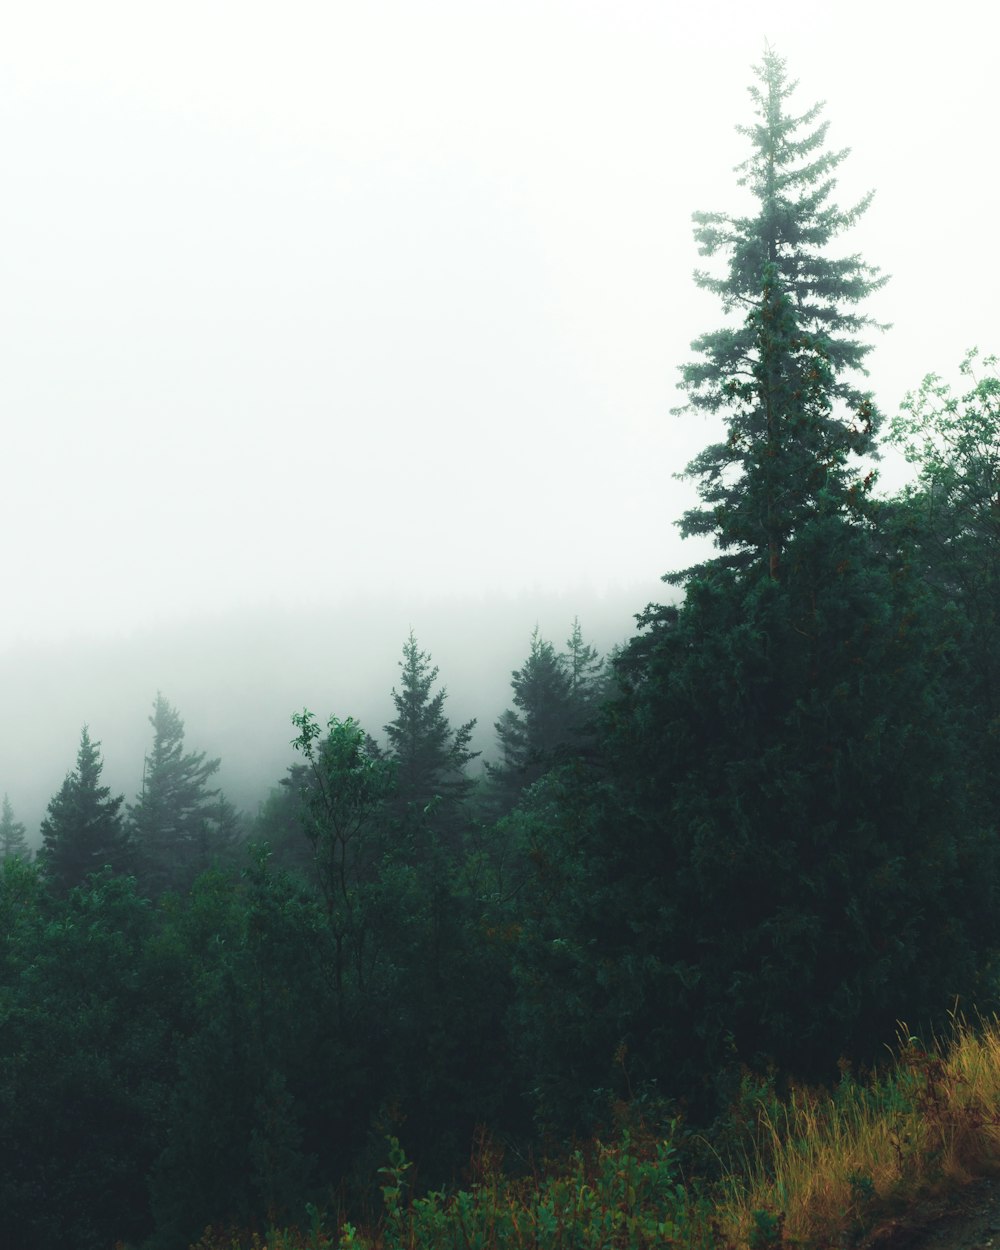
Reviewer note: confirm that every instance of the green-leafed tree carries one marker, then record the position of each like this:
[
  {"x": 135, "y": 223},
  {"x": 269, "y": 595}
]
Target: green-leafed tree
[
  {"x": 783, "y": 372},
  {"x": 429, "y": 756},
  {"x": 180, "y": 825},
  {"x": 344, "y": 789},
  {"x": 83, "y": 830},
  {"x": 948, "y": 524},
  {"x": 13, "y": 836}
]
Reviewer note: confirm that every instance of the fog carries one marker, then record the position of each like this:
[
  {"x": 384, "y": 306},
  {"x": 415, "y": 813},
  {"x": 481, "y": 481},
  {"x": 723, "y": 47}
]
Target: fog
[
  {"x": 322, "y": 321},
  {"x": 237, "y": 678}
]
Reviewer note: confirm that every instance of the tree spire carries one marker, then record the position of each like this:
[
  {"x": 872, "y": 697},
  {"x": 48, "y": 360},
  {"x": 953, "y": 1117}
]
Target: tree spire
[{"x": 784, "y": 378}]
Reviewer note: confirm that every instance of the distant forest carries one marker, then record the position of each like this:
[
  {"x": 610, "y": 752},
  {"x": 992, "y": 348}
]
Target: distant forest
[{"x": 753, "y": 838}]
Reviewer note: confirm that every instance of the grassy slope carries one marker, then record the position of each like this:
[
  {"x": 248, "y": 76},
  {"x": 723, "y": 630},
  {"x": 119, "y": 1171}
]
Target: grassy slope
[{"x": 819, "y": 1168}]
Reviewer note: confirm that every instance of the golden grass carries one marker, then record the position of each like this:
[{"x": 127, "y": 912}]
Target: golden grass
[
  {"x": 821, "y": 1169},
  {"x": 829, "y": 1164}
]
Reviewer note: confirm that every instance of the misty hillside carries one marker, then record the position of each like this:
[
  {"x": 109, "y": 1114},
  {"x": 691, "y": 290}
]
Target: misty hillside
[{"x": 237, "y": 678}]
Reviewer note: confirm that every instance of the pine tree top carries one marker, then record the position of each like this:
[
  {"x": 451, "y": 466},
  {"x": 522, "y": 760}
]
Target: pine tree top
[{"x": 785, "y": 377}]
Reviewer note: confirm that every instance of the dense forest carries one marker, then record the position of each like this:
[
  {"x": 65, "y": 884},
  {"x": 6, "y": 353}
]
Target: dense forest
[{"x": 753, "y": 839}]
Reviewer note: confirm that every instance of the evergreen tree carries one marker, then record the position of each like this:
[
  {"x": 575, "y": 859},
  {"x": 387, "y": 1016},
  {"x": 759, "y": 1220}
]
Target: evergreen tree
[
  {"x": 13, "y": 840},
  {"x": 555, "y": 694},
  {"x": 587, "y": 672},
  {"x": 83, "y": 830},
  {"x": 430, "y": 756},
  {"x": 781, "y": 852},
  {"x": 529, "y": 732},
  {"x": 177, "y": 822},
  {"x": 796, "y": 422}
]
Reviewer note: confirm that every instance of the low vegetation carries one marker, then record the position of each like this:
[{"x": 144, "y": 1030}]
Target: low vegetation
[{"x": 809, "y": 1168}]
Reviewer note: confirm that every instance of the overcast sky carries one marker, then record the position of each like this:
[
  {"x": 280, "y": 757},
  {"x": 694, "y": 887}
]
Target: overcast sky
[{"x": 304, "y": 299}]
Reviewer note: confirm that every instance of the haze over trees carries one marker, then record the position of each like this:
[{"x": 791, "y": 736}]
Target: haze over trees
[
  {"x": 13, "y": 834},
  {"x": 178, "y": 825},
  {"x": 755, "y": 838}
]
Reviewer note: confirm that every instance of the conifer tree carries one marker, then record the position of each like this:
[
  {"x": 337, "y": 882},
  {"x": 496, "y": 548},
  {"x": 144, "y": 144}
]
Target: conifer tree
[
  {"x": 554, "y": 696},
  {"x": 177, "y": 823},
  {"x": 529, "y": 733},
  {"x": 784, "y": 377},
  {"x": 430, "y": 756},
  {"x": 83, "y": 830},
  {"x": 781, "y": 852},
  {"x": 587, "y": 672},
  {"x": 13, "y": 839}
]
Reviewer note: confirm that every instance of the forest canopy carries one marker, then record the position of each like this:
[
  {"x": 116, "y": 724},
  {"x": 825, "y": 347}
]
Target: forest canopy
[{"x": 756, "y": 837}]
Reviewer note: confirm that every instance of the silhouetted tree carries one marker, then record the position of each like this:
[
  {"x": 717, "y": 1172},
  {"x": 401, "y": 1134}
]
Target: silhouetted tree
[
  {"x": 781, "y": 851},
  {"x": 795, "y": 421},
  {"x": 83, "y": 829},
  {"x": 429, "y": 756},
  {"x": 555, "y": 694},
  {"x": 178, "y": 823}
]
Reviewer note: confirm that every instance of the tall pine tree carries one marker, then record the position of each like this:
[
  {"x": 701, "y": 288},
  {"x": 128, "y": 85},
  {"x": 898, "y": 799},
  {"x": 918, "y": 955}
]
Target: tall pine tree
[
  {"x": 781, "y": 855},
  {"x": 784, "y": 376}
]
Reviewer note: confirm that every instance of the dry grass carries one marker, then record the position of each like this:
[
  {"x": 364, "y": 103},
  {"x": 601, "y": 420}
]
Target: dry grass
[
  {"x": 830, "y": 1164},
  {"x": 822, "y": 1169}
]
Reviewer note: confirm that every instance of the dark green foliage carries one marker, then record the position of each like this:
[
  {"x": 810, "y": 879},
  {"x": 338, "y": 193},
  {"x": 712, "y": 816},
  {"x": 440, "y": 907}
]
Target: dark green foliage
[
  {"x": 783, "y": 854},
  {"x": 948, "y": 525},
  {"x": 954, "y": 507},
  {"x": 344, "y": 791},
  {"x": 555, "y": 695},
  {"x": 784, "y": 848},
  {"x": 13, "y": 839},
  {"x": 769, "y": 835},
  {"x": 781, "y": 377},
  {"x": 799, "y": 774},
  {"x": 429, "y": 756},
  {"x": 251, "y": 1068},
  {"x": 529, "y": 733},
  {"x": 83, "y": 830},
  {"x": 86, "y": 1056},
  {"x": 406, "y": 957},
  {"x": 179, "y": 825}
]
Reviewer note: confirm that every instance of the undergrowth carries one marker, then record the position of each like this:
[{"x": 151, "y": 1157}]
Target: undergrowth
[{"x": 816, "y": 1167}]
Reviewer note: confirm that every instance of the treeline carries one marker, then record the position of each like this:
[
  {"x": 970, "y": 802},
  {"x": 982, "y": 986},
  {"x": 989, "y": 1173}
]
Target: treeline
[
  {"x": 205, "y": 1018},
  {"x": 759, "y": 836},
  {"x": 178, "y": 824}
]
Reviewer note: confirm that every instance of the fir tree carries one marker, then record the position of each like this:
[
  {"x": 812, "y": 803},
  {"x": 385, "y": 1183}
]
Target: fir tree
[
  {"x": 781, "y": 851},
  {"x": 13, "y": 840},
  {"x": 177, "y": 823},
  {"x": 83, "y": 830},
  {"x": 796, "y": 421},
  {"x": 555, "y": 694},
  {"x": 430, "y": 756},
  {"x": 587, "y": 673},
  {"x": 529, "y": 733}
]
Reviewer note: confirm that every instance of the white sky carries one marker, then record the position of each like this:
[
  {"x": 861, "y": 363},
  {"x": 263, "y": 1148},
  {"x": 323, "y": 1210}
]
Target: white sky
[{"x": 304, "y": 299}]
